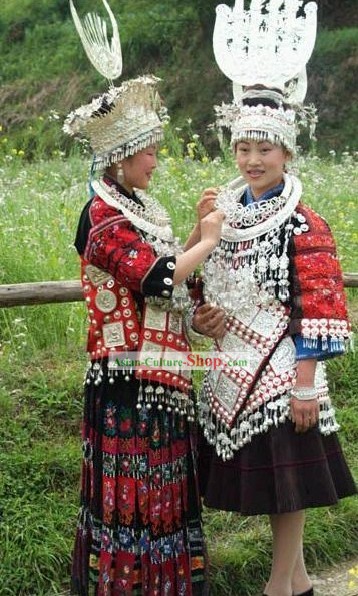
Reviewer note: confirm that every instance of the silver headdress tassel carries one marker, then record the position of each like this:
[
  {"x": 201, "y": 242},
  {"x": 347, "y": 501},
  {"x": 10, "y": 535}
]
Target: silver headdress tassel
[
  {"x": 124, "y": 119},
  {"x": 264, "y": 51}
]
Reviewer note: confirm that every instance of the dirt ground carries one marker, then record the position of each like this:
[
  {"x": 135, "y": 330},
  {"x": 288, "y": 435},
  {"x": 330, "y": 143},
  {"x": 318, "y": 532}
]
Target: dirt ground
[{"x": 335, "y": 580}]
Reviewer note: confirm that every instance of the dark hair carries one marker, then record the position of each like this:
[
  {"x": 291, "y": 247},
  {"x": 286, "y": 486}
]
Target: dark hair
[
  {"x": 105, "y": 107},
  {"x": 264, "y": 101},
  {"x": 260, "y": 101}
]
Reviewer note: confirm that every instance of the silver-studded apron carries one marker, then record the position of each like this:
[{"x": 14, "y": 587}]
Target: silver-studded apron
[
  {"x": 161, "y": 350},
  {"x": 245, "y": 395}
]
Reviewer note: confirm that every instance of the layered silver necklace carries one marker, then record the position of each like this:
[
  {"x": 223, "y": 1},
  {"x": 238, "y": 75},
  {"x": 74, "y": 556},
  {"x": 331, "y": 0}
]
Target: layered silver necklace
[
  {"x": 151, "y": 216},
  {"x": 250, "y": 264}
]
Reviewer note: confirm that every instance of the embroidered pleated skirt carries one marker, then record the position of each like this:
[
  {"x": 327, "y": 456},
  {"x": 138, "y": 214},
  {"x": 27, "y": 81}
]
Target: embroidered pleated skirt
[
  {"x": 139, "y": 527},
  {"x": 279, "y": 471}
]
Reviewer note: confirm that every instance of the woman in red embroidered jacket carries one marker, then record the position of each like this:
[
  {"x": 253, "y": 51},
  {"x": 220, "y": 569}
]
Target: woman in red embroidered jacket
[
  {"x": 139, "y": 528},
  {"x": 269, "y": 444}
]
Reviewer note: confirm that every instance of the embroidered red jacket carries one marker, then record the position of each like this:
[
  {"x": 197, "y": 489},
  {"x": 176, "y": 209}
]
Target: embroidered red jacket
[
  {"x": 118, "y": 268},
  {"x": 318, "y": 301}
]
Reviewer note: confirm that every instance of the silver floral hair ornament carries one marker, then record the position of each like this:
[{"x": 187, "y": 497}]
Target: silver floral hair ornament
[
  {"x": 264, "y": 52},
  {"x": 125, "y": 119}
]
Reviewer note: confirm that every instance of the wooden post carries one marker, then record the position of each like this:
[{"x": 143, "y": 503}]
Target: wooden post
[
  {"x": 52, "y": 292},
  {"x": 43, "y": 292},
  {"x": 350, "y": 280}
]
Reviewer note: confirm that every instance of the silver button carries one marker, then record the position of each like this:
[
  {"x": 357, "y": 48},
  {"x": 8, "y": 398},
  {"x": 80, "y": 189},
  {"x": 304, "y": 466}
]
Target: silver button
[
  {"x": 165, "y": 293},
  {"x": 171, "y": 265},
  {"x": 106, "y": 301},
  {"x": 168, "y": 281}
]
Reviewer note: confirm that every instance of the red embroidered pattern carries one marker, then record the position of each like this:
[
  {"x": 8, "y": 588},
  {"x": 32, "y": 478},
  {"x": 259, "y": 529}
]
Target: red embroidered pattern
[
  {"x": 317, "y": 286},
  {"x": 113, "y": 245}
]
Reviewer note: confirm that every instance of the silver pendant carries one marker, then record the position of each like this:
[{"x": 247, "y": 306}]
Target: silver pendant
[
  {"x": 155, "y": 318},
  {"x": 97, "y": 276},
  {"x": 113, "y": 335}
]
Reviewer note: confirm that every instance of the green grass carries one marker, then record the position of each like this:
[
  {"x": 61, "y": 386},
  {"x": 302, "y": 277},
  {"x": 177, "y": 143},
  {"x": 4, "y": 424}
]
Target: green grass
[
  {"x": 40, "y": 409},
  {"x": 42, "y": 361}
]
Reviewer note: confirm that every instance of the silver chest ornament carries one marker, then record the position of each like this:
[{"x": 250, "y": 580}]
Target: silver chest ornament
[{"x": 250, "y": 265}]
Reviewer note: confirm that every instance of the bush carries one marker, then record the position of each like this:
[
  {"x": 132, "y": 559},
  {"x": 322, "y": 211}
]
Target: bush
[
  {"x": 333, "y": 74},
  {"x": 45, "y": 68}
]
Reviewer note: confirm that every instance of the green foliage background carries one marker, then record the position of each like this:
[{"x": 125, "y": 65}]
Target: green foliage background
[{"x": 44, "y": 68}]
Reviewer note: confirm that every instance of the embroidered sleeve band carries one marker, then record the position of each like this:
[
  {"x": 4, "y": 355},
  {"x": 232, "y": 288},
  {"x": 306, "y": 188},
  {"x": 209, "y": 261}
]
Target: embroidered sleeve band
[
  {"x": 324, "y": 349},
  {"x": 158, "y": 281}
]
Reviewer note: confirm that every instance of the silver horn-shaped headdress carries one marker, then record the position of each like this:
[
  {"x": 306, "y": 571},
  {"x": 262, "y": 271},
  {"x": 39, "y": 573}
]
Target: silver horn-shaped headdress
[
  {"x": 106, "y": 57},
  {"x": 264, "y": 52},
  {"x": 125, "y": 119}
]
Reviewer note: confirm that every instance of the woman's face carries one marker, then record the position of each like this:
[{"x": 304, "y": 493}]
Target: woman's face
[
  {"x": 138, "y": 169},
  {"x": 261, "y": 164}
]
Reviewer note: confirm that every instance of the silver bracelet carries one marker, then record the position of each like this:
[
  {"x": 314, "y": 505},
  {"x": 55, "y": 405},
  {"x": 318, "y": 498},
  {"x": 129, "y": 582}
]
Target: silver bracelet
[{"x": 304, "y": 393}]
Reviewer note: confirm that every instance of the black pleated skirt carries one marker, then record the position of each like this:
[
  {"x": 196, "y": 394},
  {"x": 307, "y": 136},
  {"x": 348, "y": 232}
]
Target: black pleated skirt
[{"x": 278, "y": 472}]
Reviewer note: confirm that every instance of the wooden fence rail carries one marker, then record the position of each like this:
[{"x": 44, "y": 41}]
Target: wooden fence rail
[{"x": 48, "y": 292}]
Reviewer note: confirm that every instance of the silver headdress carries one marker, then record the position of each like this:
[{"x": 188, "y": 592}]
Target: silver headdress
[
  {"x": 264, "y": 51},
  {"x": 125, "y": 119}
]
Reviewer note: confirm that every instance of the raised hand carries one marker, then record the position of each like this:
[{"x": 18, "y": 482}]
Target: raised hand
[
  {"x": 211, "y": 225},
  {"x": 206, "y": 204}
]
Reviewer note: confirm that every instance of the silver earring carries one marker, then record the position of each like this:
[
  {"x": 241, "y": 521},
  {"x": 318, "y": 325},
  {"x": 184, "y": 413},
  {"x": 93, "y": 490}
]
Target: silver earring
[{"x": 120, "y": 175}]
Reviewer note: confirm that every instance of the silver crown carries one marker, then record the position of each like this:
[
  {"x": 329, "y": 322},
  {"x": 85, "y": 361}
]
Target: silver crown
[
  {"x": 269, "y": 44},
  {"x": 134, "y": 121},
  {"x": 258, "y": 123},
  {"x": 264, "y": 51},
  {"x": 125, "y": 119}
]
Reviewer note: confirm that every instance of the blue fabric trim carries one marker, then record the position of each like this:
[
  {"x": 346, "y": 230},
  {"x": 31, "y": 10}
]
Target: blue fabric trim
[
  {"x": 248, "y": 197},
  {"x": 316, "y": 350}
]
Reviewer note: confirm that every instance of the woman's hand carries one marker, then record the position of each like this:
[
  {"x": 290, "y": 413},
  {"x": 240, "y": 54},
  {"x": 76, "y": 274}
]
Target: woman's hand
[
  {"x": 206, "y": 203},
  {"x": 210, "y": 321},
  {"x": 196, "y": 253},
  {"x": 205, "y": 206},
  {"x": 304, "y": 413},
  {"x": 210, "y": 227}
]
